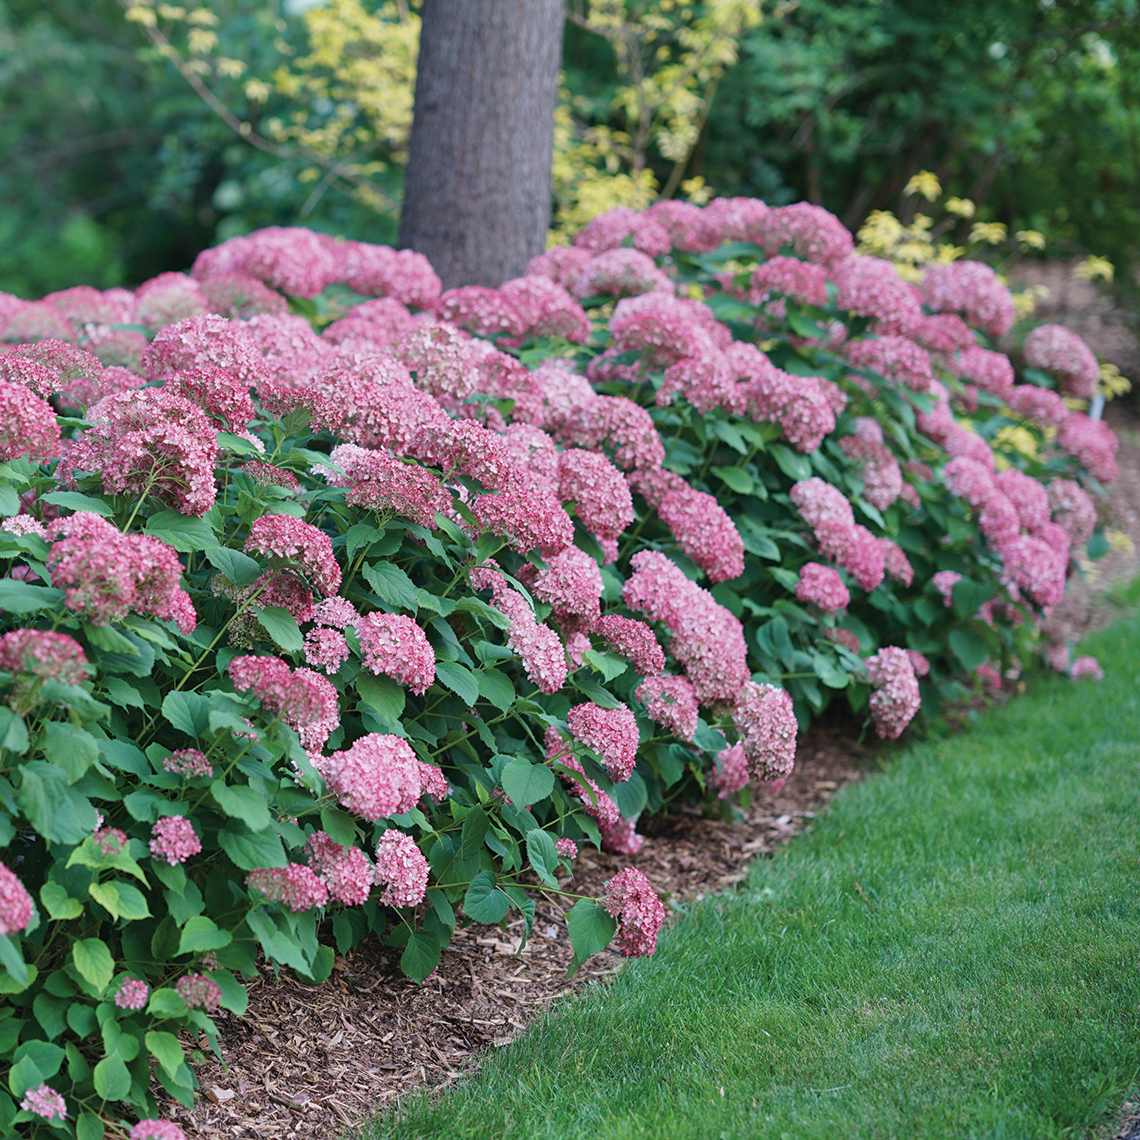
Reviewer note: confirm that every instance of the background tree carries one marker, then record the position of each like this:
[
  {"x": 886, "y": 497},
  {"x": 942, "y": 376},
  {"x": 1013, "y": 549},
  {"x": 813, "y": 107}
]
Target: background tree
[{"x": 477, "y": 188}]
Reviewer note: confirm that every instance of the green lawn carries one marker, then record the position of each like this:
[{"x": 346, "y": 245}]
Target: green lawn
[{"x": 954, "y": 951}]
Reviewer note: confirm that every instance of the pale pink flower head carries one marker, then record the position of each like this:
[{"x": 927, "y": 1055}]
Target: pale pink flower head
[
  {"x": 631, "y": 899},
  {"x": 83, "y": 305},
  {"x": 132, "y": 994},
  {"x": 670, "y": 702},
  {"x": 381, "y": 482},
  {"x": 611, "y": 733},
  {"x": 207, "y": 341},
  {"x": 378, "y": 271},
  {"x": 396, "y": 646},
  {"x": 813, "y": 233},
  {"x": 336, "y": 613},
  {"x": 731, "y": 219},
  {"x": 325, "y": 649},
  {"x": 766, "y": 722},
  {"x": 920, "y": 663},
  {"x": 298, "y": 544},
  {"x": 401, "y": 869},
  {"x": 595, "y": 802},
  {"x": 294, "y": 886},
  {"x": 156, "y": 1130},
  {"x": 880, "y": 471},
  {"x": 563, "y": 264},
  {"x": 304, "y": 700},
  {"x": 1086, "y": 667},
  {"x": 896, "y": 358},
  {"x": 1092, "y": 444},
  {"x": 150, "y": 441},
  {"x": 704, "y": 531},
  {"x": 788, "y": 277},
  {"x": 972, "y": 289},
  {"x": 1055, "y": 348},
  {"x": 45, "y": 1103},
  {"x": 609, "y": 230},
  {"x": 991, "y": 371},
  {"x": 621, "y": 273},
  {"x": 168, "y": 298},
  {"x": 538, "y": 646},
  {"x": 346, "y": 871},
  {"x": 1072, "y": 509},
  {"x": 546, "y": 309},
  {"x": 199, "y": 992},
  {"x": 36, "y": 321},
  {"x": 174, "y": 840},
  {"x": 895, "y": 562},
  {"x": 188, "y": 762},
  {"x": 633, "y": 640},
  {"x": 294, "y": 260},
  {"x": 217, "y": 393},
  {"x": 622, "y": 838},
  {"x": 46, "y": 655},
  {"x": 377, "y": 777},
  {"x": 1028, "y": 496},
  {"x": 571, "y": 583},
  {"x": 1035, "y": 569},
  {"x": 28, "y": 425},
  {"x": 599, "y": 493},
  {"x": 823, "y": 586},
  {"x": 16, "y": 905},
  {"x": 444, "y": 361},
  {"x": 240, "y": 297},
  {"x": 988, "y": 677},
  {"x": 896, "y": 698},
  {"x": 16, "y": 368},
  {"x": 1047, "y": 408},
  {"x": 870, "y": 287},
  {"x": 613, "y": 425},
  {"x": 943, "y": 581},
  {"x": 730, "y": 773}
]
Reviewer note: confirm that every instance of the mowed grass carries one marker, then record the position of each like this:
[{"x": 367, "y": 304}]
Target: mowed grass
[{"x": 953, "y": 951}]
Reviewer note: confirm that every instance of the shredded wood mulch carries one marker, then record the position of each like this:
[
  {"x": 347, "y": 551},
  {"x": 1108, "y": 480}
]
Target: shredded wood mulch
[{"x": 311, "y": 1062}]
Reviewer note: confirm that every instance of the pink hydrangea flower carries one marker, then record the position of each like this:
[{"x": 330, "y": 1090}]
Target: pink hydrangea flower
[
  {"x": 896, "y": 698},
  {"x": 326, "y": 649},
  {"x": 28, "y": 425},
  {"x": 296, "y": 542},
  {"x": 132, "y": 994},
  {"x": 336, "y": 613},
  {"x": 610, "y": 229},
  {"x": 16, "y": 905},
  {"x": 621, "y": 273},
  {"x": 401, "y": 869},
  {"x": 346, "y": 871},
  {"x": 972, "y": 289},
  {"x": 706, "y": 639},
  {"x": 563, "y": 265},
  {"x": 767, "y": 725},
  {"x": 730, "y": 773},
  {"x": 920, "y": 663},
  {"x": 174, "y": 839},
  {"x": 611, "y": 424},
  {"x": 895, "y": 562},
  {"x": 188, "y": 762},
  {"x": 1086, "y": 667},
  {"x": 622, "y": 838},
  {"x": 537, "y": 645},
  {"x": 380, "y": 482},
  {"x": 434, "y": 781},
  {"x": 633, "y": 640},
  {"x": 611, "y": 733},
  {"x": 704, "y": 532},
  {"x": 788, "y": 277},
  {"x": 670, "y": 702},
  {"x": 397, "y": 646},
  {"x": 594, "y": 801},
  {"x": 1057, "y": 349},
  {"x": 46, "y": 655},
  {"x": 304, "y": 700},
  {"x": 294, "y": 886},
  {"x": 1092, "y": 444},
  {"x": 150, "y": 441},
  {"x": 567, "y": 848},
  {"x": 45, "y": 1102},
  {"x": 943, "y": 581},
  {"x": 599, "y": 493},
  {"x": 813, "y": 233},
  {"x": 897, "y": 358},
  {"x": 823, "y": 586},
  {"x": 870, "y": 287},
  {"x": 988, "y": 676},
  {"x": 1035, "y": 568},
  {"x": 199, "y": 992},
  {"x": 631, "y": 899},
  {"x": 377, "y": 777},
  {"x": 156, "y": 1130}
]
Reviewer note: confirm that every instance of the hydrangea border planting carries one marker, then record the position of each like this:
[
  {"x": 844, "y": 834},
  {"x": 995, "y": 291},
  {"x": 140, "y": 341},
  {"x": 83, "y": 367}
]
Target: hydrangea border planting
[{"x": 359, "y": 614}]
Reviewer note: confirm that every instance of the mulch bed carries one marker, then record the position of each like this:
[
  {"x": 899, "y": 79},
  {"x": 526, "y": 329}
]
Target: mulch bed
[{"x": 310, "y": 1062}]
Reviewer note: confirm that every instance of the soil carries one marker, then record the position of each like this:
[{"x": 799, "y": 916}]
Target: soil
[{"x": 315, "y": 1062}]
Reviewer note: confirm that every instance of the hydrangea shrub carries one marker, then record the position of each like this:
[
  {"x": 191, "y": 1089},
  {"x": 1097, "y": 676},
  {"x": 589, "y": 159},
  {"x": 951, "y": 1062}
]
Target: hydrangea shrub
[{"x": 334, "y": 606}]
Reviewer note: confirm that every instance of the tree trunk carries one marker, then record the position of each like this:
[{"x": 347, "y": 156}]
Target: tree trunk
[{"x": 477, "y": 192}]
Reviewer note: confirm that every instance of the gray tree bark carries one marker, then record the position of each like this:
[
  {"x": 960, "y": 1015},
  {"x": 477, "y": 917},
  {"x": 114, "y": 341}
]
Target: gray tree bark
[{"x": 477, "y": 192}]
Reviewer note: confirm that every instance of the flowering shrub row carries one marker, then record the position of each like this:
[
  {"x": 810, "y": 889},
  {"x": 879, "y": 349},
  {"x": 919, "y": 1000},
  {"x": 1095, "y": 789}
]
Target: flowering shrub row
[{"x": 336, "y": 606}]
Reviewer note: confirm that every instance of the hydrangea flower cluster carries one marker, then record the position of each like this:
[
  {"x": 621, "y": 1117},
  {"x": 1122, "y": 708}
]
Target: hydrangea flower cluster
[
  {"x": 132, "y": 994},
  {"x": 199, "y": 992},
  {"x": 401, "y": 869},
  {"x": 396, "y": 646},
  {"x": 297, "y": 543},
  {"x": 174, "y": 840},
  {"x": 767, "y": 725},
  {"x": 346, "y": 871},
  {"x": 16, "y": 907},
  {"x": 293, "y": 886},
  {"x": 823, "y": 586},
  {"x": 611, "y": 733},
  {"x": 156, "y": 1130},
  {"x": 44, "y": 1102},
  {"x": 379, "y": 776},
  {"x": 896, "y": 698},
  {"x": 46, "y": 655},
  {"x": 631, "y": 899},
  {"x": 302, "y": 699}
]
